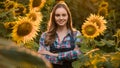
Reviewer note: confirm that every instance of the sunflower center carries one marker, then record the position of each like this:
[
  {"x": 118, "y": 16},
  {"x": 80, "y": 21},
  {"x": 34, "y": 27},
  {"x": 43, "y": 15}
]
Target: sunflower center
[
  {"x": 36, "y": 3},
  {"x": 10, "y": 6},
  {"x": 20, "y": 9},
  {"x": 90, "y": 30},
  {"x": 104, "y": 5},
  {"x": 103, "y": 12},
  {"x": 24, "y": 29},
  {"x": 33, "y": 16}
]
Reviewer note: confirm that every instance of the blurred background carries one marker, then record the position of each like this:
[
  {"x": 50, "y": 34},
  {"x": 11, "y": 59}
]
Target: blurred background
[{"x": 22, "y": 26}]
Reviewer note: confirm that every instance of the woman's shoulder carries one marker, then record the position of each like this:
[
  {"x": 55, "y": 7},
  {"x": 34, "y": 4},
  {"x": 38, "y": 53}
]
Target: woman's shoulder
[
  {"x": 76, "y": 32},
  {"x": 43, "y": 34}
]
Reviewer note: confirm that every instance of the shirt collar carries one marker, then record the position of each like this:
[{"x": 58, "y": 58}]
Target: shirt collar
[{"x": 69, "y": 32}]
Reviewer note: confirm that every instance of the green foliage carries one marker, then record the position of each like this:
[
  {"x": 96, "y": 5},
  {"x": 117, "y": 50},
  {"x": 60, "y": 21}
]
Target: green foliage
[
  {"x": 32, "y": 45},
  {"x": 3, "y": 31},
  {"x": 6, "y": 15},
  {"x": 97, "y": 54},
  {"x": 81, "y": 9},
  {"x": 96, "y": 59},
  {"x": 46, "y": 15}
]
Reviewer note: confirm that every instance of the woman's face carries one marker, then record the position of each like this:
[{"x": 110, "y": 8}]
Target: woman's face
[{"x": 61, "y": 16}]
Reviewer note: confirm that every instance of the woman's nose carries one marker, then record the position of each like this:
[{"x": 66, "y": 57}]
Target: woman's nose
[{"x": 61, "y": 17}]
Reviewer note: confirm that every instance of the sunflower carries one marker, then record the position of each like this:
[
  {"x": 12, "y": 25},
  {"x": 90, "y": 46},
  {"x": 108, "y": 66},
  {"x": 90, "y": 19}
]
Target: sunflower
[
  {"x": 90, "y": 30},
  {"x": 9, "y": 5},
  {"x": 8, "y": 25},
  {"x": 99, "y": 20},
  {"x": 36, "y": 4},
  {"x": 20, "y": 10},
  {"x": 35, "y": 16},
  {"x": 103, "y": 4},
  {"x": 103, "y": 12},
  {"x": 97, "y": 59},
  {"x": 25, "y": 30}
]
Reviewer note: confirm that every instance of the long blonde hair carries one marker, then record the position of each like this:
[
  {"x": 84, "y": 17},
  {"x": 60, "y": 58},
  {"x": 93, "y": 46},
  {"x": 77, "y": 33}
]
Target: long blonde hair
[{"x": 52, "y": 26}]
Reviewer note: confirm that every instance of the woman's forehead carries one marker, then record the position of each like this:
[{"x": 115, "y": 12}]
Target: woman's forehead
[{"x": 61, "y": 10}]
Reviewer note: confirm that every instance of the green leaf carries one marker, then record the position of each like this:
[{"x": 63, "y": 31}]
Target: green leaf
[
  {"x": 99, "y": 43},
  {"x": 118, "y": 49},
  {"x": 76, "y": 64},
  {"x": 109, "y": 43}
]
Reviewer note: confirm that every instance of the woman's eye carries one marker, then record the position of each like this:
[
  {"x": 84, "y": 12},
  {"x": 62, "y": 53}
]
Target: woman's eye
[
  {"x": 63, "y": 14},
  {"x": 57, "y": 15}
]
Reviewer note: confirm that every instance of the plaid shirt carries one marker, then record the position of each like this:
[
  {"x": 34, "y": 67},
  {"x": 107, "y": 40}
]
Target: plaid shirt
[{"x": 72, "y": 54}]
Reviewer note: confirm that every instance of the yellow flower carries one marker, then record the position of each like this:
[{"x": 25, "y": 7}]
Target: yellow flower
[
  {"x": 97, "y": 59},
  {"x": 36, "y": 4},
  {"x": 25, "y": 30},
  {"x": 19, "y": 10},
  {"x": 90, "y": 30},
  {"x": 103, "y": 12},
  {"x": 9, "y": 5},
  {"x": 8, "y": 25},
  {"x": 117, "y": 33},
  {"x": 35, "y": 16},
  {"x": 99, "y": 20},
  {"x": 103, "y": 4}
]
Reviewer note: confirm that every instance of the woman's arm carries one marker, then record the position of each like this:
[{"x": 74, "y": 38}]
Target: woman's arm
[
  {"x": 44, "y": 51},
  {"x": 73, "y": 54}
]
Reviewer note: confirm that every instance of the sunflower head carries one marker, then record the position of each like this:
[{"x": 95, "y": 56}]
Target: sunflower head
[
  {"x": 32, "y": 16},
  {"x": 24, "y": 30},
  {"x": 20, "y": 10},
  {"x": 99, "y": 20},
  {"x": 103, "y": 4},
  {"x": 36, "y": 4},
  {"x": 90, "y": 30},
  {"x": 9, "y": 5},
  {"x": 8, "y": 25},
  {"x": 103, "y": 12},
  {"x": 35, "y": 16}
]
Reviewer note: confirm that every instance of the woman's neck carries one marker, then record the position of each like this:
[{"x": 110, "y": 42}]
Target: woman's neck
[
  {"x": 62, "y": 29},
  {"x": 61, "y": 32}
]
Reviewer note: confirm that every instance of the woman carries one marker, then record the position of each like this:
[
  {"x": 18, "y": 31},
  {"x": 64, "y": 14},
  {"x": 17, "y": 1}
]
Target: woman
[{"x": 57, "y": 44}]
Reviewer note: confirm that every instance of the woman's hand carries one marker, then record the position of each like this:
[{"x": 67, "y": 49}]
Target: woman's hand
[
  {"x": 44, "y": 51},
  {"x": 76, "y": 48}
]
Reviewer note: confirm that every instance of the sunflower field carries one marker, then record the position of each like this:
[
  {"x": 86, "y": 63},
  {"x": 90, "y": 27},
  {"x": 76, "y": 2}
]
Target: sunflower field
[{"x": 23, "y": 21}]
